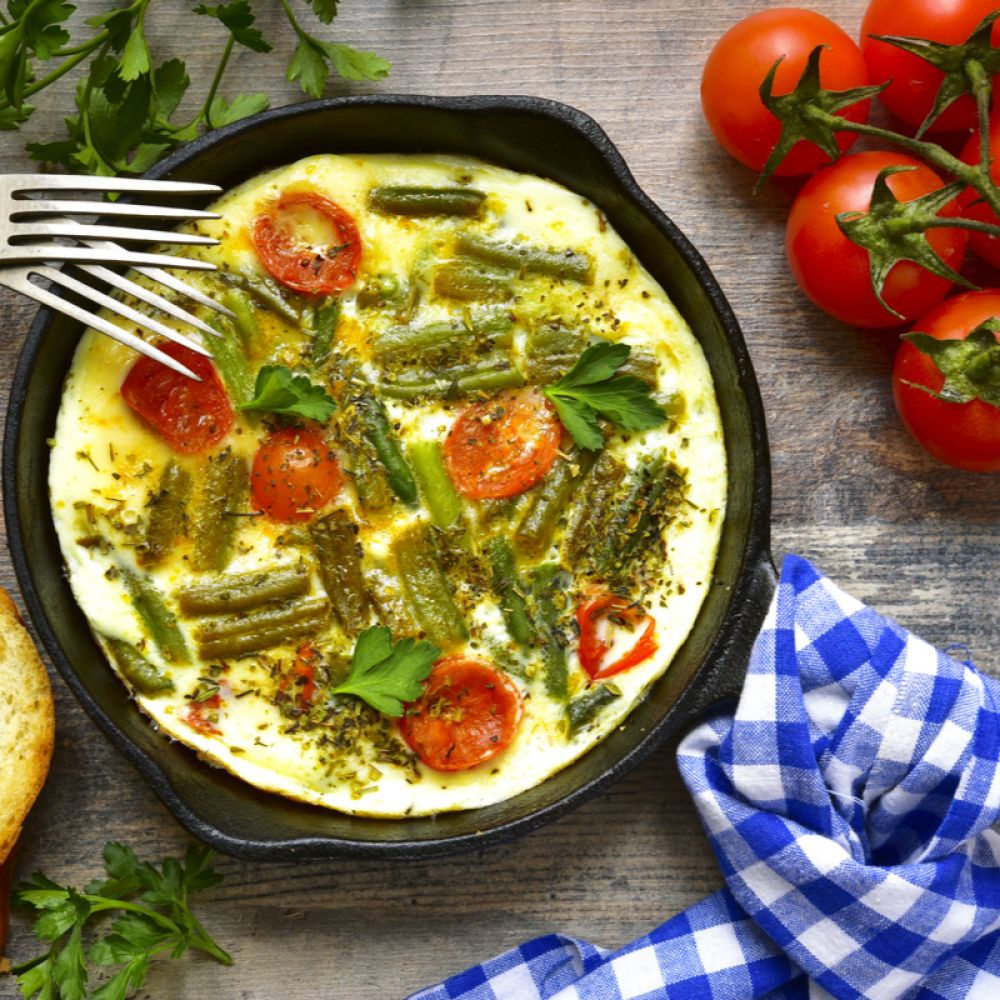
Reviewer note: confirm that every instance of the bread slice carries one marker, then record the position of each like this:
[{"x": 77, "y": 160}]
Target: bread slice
[{"x": 27, "y": 723}]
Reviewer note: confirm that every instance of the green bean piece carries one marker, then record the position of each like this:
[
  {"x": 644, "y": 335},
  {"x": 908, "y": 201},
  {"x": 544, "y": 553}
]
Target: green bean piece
[
  {"x": 450, "y": 337},
  {"x": 224, "y": 489},
  {"x": 142, "y": 675},
  {"x": 326, "y": 316},
  {"x": 160, "y": 621},
  {"x": 664, "y": 488},
  {"x": 238, "y": 302},
  {"x": 386, "y": 594},
  {"x": 264, "y": 628},
  {"x": 167, "y": 514},
  {"x": 266, "y": 291},
  {"x": 381, "y": 291},
  {"x": 335, "y": 542},
  {"x": 509, "y": 588},
  {"x": 643, "y": 366},
  {"x": 571, "y": 265},
  {"x": 383, "y": 439},
  {"x": 370, "y": 481},
  {"x": 231, "y": 360},
  {"x": 440, "y": 498},
  {"x": 398, "y": 199},
  {"x": 428, "y": 591},
  {"x": 489, "y": 374},
  {"x": 584, "y": 709},
  {"x": 547, "y": 581},
  {"x": 472, "y": 283},
  {"x": 549, "y": 502},
  {"x": 550, "y": 350},
  {"x": 243, "y": 591},
  {"x": 596, "y": 495}
]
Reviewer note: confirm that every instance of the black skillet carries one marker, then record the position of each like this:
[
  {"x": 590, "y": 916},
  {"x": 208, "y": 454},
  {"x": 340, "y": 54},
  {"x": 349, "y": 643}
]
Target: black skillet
[{"x": 526, "y": 134}]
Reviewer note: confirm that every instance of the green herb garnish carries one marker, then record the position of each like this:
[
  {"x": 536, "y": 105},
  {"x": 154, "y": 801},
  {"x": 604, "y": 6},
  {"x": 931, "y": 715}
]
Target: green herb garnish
[
  {"x": 591, "y": 389},
  {"x": 155, "y": 918},
  {"x": 387, "y": 674},
  {"x": 279, "y": 390}
]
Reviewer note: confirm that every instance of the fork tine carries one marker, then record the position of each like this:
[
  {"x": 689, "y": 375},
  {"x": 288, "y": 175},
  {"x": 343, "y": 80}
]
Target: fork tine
[
  {"x": 46, "y": 206},
  {"x": 175, "y": 284},
  {"x": 47, "y": 298},
  {"x": 40, "y": 252},
  {"x": 148, "y": 296},
  {"x": 77, "y": 182},
  {"x": 82, "y": 231},
  {"x": 120, "y": 308}
]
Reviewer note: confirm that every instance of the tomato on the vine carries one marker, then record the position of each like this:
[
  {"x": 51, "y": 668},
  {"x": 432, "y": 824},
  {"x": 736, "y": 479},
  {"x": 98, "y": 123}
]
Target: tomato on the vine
[
  {"x": 309, "y": 243},
  {"x": 835, "y": 273},
  {"x": 295, "y": 473},
  {"x": 963, "y": 434},
  {"x": 915, "y": 82},
  {"x": 973, "y": 207},
  {"x": 742, "y": 59}
]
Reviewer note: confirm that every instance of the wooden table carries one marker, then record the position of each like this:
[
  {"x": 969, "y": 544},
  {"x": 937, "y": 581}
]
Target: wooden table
[{"x": 851, "y": 491}]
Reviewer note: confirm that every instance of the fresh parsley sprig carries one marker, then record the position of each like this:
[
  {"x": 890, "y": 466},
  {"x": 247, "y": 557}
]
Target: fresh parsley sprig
[
  {"x": 154, "y": 918},
  {"x": 279, "y": 390},
  {"x": 126, "y": 103},
  {"x": 591, "y": 389},
  {"x": 385, "y": 673}
]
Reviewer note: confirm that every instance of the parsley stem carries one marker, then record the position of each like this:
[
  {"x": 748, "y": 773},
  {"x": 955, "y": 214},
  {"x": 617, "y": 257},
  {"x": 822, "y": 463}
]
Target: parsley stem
[
  {"x": 292, "y": 20},
  {"x": 61, "y": 70},
  {"x": 206, "y": 110}
]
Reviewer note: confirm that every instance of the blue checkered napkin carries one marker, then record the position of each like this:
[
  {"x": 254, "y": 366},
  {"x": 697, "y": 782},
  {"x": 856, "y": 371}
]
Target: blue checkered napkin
[{"x": 850, "y": 802}]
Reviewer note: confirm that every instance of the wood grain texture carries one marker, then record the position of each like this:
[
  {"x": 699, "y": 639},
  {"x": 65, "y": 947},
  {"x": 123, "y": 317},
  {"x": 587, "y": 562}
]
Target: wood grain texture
[{"x": 917, "y": 540}]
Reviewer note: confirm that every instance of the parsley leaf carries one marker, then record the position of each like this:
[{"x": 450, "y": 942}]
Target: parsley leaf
[
  {"x": 239, "y": 19},
  {"x": 154, "y": 918},
  {"x": 325, "y": 10},
  {"x": 591, "y": 389},
  {"x": 387, "y": 674},
  {"x": 278, "y": 390}
]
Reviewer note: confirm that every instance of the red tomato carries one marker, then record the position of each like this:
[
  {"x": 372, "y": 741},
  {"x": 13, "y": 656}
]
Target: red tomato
[
  {"x": 200, "y": 715},
  {"x": 834, "y": 272},
  {"x": 965, "y": 435},
  {"x": 468, "y": 713},
  {"x": 305, "y": 673},
  {"x": 295, "y": 473},
  {"x": 323, "y": 266},
  {"x": 986, "y": 246},
  {"x": 594, "y": 646},
  {"x": 502, "y": 446},
  {"x": 915, "y": 83},
  {"x": 190, "y": 416},
  {"x": 741, "y": 59}
]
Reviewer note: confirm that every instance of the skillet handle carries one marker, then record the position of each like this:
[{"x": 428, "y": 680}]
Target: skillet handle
[{"x": 726, "y": 682}]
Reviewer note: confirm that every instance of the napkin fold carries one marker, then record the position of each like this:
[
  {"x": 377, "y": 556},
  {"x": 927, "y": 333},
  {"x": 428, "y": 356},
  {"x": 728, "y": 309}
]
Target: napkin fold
[{"x": 850, "y": 801}]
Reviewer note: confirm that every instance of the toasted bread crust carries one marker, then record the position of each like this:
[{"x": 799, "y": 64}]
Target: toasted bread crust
[{"x": 27, "y": 723}]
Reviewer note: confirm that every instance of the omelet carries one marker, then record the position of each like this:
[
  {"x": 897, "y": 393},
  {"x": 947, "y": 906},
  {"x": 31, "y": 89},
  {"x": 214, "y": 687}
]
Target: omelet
[{"x": 443, "y": 506}]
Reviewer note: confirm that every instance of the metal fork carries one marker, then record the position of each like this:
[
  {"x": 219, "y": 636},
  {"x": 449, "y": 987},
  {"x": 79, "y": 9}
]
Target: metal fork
[{"x": 32, "y": 220}]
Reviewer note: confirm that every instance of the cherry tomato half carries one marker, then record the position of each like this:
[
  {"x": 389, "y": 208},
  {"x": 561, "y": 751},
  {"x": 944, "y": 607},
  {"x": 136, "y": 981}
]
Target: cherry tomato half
[
  {"x": 741, "y": 60},
  {"x": 595, "y": 615},
  {"x": 502, "y": 446},
  {"x": 295, "y": 473},
  {"x": 834, "y": 272},
  {"x": 468, "y": 713},
  {"x": 190, "y": 416},
  {"x": 915, "y": 82},
  {"x": 324, "y": 265},
  {"x": 986, "y": 246},
  {"x": 965, "y": 435}
]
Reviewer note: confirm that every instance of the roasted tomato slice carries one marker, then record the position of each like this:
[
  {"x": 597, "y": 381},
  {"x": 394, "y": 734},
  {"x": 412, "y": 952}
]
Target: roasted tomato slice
[
  {"x": 468, "y": 713},
  {"x": 309, "y": 243},
  {"x": 304, "y": 673},
  {"x": 202, "y": 715},
  {"x": 595, "y": 616},
  {"x": 295, "y": 473},
  {"x": 190, "y": 416},
  {"x": 502, "y": 446}
]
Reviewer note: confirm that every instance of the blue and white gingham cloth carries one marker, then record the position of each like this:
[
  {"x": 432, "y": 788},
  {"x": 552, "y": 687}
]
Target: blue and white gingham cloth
[{"x": 851, "y": 802}]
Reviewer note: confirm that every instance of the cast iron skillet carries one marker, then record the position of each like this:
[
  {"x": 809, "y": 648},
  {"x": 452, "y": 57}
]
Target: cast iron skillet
[{"x": 526, "y": 134}]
